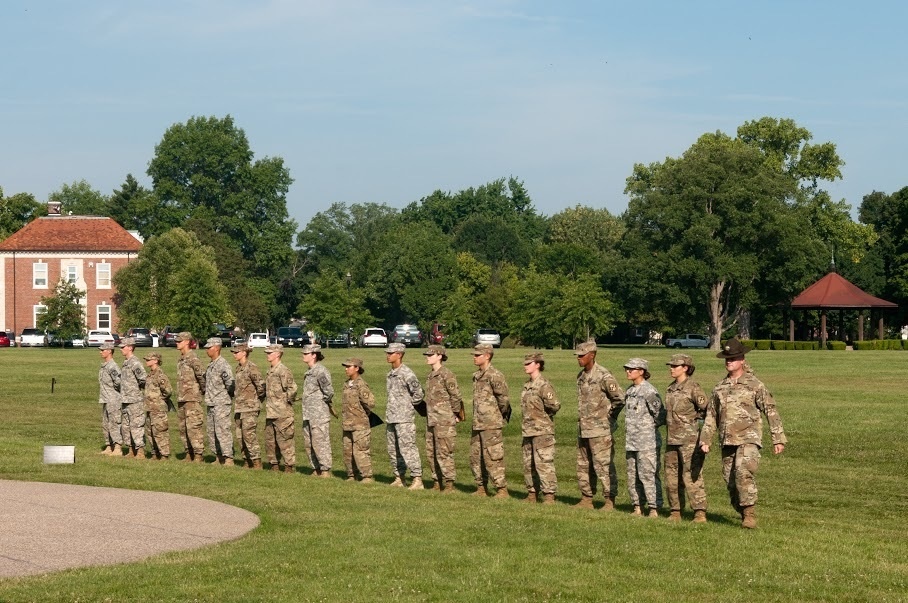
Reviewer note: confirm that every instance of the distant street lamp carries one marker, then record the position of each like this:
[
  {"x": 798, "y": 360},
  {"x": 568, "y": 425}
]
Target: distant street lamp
[{"x": 349, "y": 279}]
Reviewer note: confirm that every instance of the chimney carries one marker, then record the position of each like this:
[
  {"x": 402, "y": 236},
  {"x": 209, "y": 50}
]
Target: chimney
[{"x": 53, "y": 208}]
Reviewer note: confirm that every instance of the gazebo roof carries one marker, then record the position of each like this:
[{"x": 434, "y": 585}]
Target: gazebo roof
[{"x": 833, "y": 291}]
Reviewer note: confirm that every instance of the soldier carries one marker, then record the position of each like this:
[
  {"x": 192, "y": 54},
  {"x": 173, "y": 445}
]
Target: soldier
[
  {"x": 132, "y": 382},
  {"x": 734, "y": 411},
  {"x": 317, "y": 410},
  {"x": 444, "y": 410},
  {"x": 404, "y": 394},
  {"x": 358, "y": 402},
  {"x": 685, "y": 407},
  {"x": 191, "y": 388},
  {"x": 280, "y": 391},
  {"x": 109, "y": 399},
  {"x": 218, "y": 389},
  {"x": 599, "y": 399},
  {"x": 643, "y": 415},
  {"x": 491, "y": 408},
  {"x": 249, "y": 391},
  {"x": 157, "y": 402},
  {"x": 538, "y": 404}
]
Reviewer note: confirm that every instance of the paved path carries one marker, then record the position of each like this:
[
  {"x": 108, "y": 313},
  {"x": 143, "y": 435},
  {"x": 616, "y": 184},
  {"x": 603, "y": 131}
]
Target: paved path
[{"x": 50, "y": 527}]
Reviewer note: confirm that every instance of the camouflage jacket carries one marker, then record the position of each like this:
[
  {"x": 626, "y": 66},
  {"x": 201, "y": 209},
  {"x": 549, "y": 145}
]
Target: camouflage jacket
[
  {"x": 443, "y": 400},
  {"x": 248, "y": 388},
  {"x": 491, "y": 401},
  {"x": 218, "y": 382},
  {"x": 599, "y": 400},
  {"x": 358, "y": 401},
  {"x": 157, "y": 391},
  {"x": 190, "y": 378},
  {"x": 317, "y": 395},
  {"x": 685, "y": 406},
  {"x": 109, "y": 380},
  {"x": 132, "y": 380},
  {"x": 538, "y": 403},
  {"x": 404, "y": 393},
  {"x": 643, "y": 414},
  {"x": 280, "y": 390},
  {"x": 734, "y": 410}
]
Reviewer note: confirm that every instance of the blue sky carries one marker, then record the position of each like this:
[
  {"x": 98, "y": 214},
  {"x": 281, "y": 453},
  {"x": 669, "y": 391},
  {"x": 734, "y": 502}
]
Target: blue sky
[{"x": 388, "y": 101}]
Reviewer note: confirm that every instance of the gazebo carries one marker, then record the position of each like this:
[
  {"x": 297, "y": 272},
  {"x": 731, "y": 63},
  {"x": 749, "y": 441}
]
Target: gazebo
[{"x": 833, "y": 292}]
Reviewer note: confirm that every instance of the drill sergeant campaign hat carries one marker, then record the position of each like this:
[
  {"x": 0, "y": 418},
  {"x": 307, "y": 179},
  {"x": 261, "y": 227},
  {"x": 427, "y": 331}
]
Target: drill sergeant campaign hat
[{"x": 733, "y": 349}]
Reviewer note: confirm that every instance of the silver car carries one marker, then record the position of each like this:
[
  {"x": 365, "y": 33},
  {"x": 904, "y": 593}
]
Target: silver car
[{"x": 489, "y": 336}]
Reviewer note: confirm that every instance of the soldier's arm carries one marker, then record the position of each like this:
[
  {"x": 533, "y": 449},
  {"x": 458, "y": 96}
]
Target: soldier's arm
[
  {"x": 255, "y": 377},
  {"x": 698, "y": 397},
  {"x": 549, "y": 399},
  {"x": 766, "y": 403},
  {"x": 164, "y": 384},
  {"x": 199, "y": 373},
  {"x": 613, "y": 392},
  {"x": 454, "y": 396},
  {"x": 655, "y": 406},
  {"x": 414, "y": 388},
  {"x": 227, "y": 378},
  {"x": 709, "y": 424},
  {"x": 115, "y": 377},
  {"x": 289, "y": 385},
  {"x": 141, "y": 375},
  {"x": 502, "y": 395},
  {"x": 324, "y": 384},
  {"x": 366, "y": 397}
]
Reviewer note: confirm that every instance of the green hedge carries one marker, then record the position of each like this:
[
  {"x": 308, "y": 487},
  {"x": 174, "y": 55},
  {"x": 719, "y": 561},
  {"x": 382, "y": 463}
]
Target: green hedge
[
  {"x": 881, "y": 344},
  {"x": 835, "y": 345}
]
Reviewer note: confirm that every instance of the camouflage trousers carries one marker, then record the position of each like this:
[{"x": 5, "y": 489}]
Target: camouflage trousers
[
  {"x": 643, "y": 483},
  {"x": 192, "y": 427},
  {"x": 539, "y": 462},
  {"x": 132, "y": 425},
  {"x": 358, "y": 452},
  {"x": 402, "y": 449},
  {"x": 487, "y": 458},
  {"x": 739, "y": 468},
  {"x": 247, "y": 434},
  {"x": 110, "y": 423},
  {"x": 684, "y": 474},
  {"x": 220, "y": 436},
  {"x": 157, "y": 432},
  {"x": 596, "y": 458},
  {"x": 440, "y": 440},
  {"x": 279, "y": 437},
  {"x": 317, "y": 440}
]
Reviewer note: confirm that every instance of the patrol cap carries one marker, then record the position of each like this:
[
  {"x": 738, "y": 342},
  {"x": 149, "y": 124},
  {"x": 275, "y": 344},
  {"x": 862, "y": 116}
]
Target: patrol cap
[
  {"x": 274, "y": 347},
  {"x": 357, "y": 362},
  {"x": 312, "y": 348},
  {"x": 214, "y": 342},
  {"x": 483, "y": 348},
  {"x": 637, "y": 363},
  {"x": 127, "y": 341},
  {"x": 153, "y": 356},
  {"x": 183, "y": 336},
  {"x": 534, "y": 357},
  {"x": 394, "y": 348},
  {"x": 733, "y": 349},
  {"x": 585, "y": 348},
  {"x": 436, "y": 349},
  {"x": 680, "y": 360},
  {"x": 107, "y": 345},
  {"x": 240, "y": 347}
]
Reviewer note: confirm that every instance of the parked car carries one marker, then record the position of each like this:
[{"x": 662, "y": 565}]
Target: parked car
[
  {"x": 407, "y": 334},
  {"x": 12, "y": 337},
  {"x": 141, "y": 335},
  {"x": 168, "y": 335},
  {"x": 436, "y": 337},
  {"x": 257, "y": 340},
  {"x": 5, "y": 340},
  {"x": 292, "y": 337},
  {"x": 688, "y": 340},
  {"x": 97, "y": 337},
  {"x": 32, "y": 338},
  {"x": 373, "y": 337},
  {"x": 73, "y": 342},
  {"x": 489, "y": 336},
  {"x": 78, "y": 342},
  {"x": 339, "y": 340}
]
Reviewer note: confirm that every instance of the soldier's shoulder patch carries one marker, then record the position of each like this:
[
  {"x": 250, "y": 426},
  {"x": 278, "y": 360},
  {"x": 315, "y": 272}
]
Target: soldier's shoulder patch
[{"x": 612, "y": 386}]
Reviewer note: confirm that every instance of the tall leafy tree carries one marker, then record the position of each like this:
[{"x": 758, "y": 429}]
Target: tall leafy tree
[
  {"x": 65, "y": 315},
  {"x": 335, "y": 305},
  {"x": 80, "y": 199},
  {"x": 132, "y": 206},
  {"x": 18, "y": 210}
]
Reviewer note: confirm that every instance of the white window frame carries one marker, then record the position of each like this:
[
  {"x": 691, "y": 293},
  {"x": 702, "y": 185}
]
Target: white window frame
[
  {"x": 39, "y": 273},
  {"x": 72, "y": 274},
  {"x": 103, "y": 309},
  {"x": 38, "y": 310}
]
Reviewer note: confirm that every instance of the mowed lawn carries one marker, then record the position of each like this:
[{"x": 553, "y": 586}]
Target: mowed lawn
[{"x": 831, "y": 513}]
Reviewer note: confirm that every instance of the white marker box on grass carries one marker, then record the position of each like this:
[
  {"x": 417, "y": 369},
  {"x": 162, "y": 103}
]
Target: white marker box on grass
[{"x": 59, "y": 455}]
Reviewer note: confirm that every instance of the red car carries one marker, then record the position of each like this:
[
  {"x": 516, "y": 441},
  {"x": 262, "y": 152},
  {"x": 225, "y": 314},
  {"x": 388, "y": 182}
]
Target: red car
[{"x": 4, "y": 340}]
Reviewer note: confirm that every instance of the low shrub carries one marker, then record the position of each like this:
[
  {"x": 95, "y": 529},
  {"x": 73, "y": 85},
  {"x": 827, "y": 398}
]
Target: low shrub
[
  {"x": 762, "y": 344},
  {"x": 836, "y": 345}
]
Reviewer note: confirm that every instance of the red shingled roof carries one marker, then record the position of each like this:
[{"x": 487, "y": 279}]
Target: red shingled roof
[
  {"x": 71, "y": 233},
  {"x": 833, "y": 291}
]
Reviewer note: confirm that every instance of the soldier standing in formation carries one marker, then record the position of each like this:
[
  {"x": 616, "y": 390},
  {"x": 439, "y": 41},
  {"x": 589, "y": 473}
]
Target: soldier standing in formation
[
  {"x": 157, "y": 401},
  {"x": 404, "y": 393},
  {"x": 132, "y": 382},
  {"x": 358, "y": 402},
  {"x": 491, "y": 408},
  {"x": 280, "y": 390},
  {"x": 539, "y": 404},
  {"x": 218, "y": 388},
  {"x": 191, "y": 384},
  {"x": 248, "y": 393},
  {"x": 685, "y": 407},
  {"x": 317, "y": 411},
  {"x": 444, "y": 409},
  {"x": 599, "y": 399},
  {"x": 734, "y": 411},
  {"x": 109, "y": 399},
  {"x": 643, "y": 415}
]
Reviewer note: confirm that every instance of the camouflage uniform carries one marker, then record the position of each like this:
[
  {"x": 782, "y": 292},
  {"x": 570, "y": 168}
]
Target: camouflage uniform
[
  {"x": 600, "y": 399},
  {"x": 734, "y": 411},
  {"x": 317, "y": 395},
  {"x": 643, "y": 415},
  {"x": 538, "y": 404},
  {"x": 280, "y": 390},
  {"x": 157, "y": 427},
  {"x": 191, "y": 386},
  {"x": 109, "y": 399},
  {"x": 249, "y": 391},
  {"x": 132, "y": 381},
  {"x": 404, "y": 393},
  {"x": 491, "y": 402},
  {"x": 218, "y": 387},
  {"x": 358, "y": 402},
  {"x": 444, "y": 405},
  {"x": 685, "y": 406}
]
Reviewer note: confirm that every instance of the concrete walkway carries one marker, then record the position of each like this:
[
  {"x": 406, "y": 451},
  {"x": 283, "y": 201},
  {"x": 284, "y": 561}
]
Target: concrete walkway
[{"x": 50, "y": 527}]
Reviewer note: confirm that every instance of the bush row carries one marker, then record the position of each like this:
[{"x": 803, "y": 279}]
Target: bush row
[{"x": 872, "y": 344}]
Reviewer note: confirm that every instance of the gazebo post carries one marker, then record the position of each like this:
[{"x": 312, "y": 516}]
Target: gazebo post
[
  {"x": 823, "y": 330},
  {"x": 881, "y": 326},
  {"x": 791, "y": 329},
  {"x": 861, "y": 325}
]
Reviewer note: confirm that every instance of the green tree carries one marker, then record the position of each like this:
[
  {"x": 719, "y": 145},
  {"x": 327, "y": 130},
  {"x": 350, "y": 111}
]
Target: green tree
[
  {"x": 65, "y": 315},
  {"x": 17, "y": 211},
  {"x": 534, "y": 319},
  {"x": 198, "y": 300},
  {"x": 80, "y": 199},
  {"x": 132, "y": 206},
  {"x": 586, "y": 310},
  {"x": 334, "y": 306}
]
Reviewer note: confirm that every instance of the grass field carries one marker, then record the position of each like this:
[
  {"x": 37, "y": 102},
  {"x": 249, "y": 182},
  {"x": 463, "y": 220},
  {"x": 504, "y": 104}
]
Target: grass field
[{"x": 831, "y": 513}]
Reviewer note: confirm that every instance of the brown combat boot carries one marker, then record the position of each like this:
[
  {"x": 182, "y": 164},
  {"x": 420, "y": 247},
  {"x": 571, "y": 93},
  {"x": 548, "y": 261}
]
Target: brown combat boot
[
  {"x": 198, "y": 457},
  {"x": 417, "y": 484},
  {"x": 107, "y": 450},
  {"x": 163, "y": 457},
  {"x": 256, "y": 463},
  {"x": 750, "y": 518},
  {"x": 586, "y": 502},
  {"x": 674, "y": 515},
  {"x": 275, "y": 467},
  {"x": 480, "y": 490},
  {"x": 367, "y": 480},
  {"x": 140, "y": 453},
  {"x": 324, "y": 474},
  {"x": 228, "y": 462},
  {"x": 531, "y": 496},
  {"x": 653, "y": 513},
  {"x": 289, "y": 469},
  {"x": 436, "y": 486},
  {"x": 503, "y": 493},
  {"x": 397, "y": 483},
  {"x": 548, "y": 499},
  {"x": 699, "y": 516},
  {"x": 449, "y": 487},
  {"x": 637, "y": 511},
  {"x": 609, "y": 504}
]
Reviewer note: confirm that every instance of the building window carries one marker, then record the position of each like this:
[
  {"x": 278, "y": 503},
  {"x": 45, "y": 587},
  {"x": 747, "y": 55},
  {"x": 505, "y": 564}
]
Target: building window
[
  {"x": 39, "y": 275},
  {"x": 103, "y": 275},
  {"x": 71, "y": 275},
  {"x": 104, "y": 317},
  {"x": 38, "y": 311}
]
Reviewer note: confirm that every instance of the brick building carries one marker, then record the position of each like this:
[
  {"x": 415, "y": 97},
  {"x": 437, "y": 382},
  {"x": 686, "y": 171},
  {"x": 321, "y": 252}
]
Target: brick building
[{"x": 85, "y": 250}]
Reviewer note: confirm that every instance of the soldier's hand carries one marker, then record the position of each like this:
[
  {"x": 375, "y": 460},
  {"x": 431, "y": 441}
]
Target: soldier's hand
[
  {"x": 778, "y": 448},
  {"x": 704, "y": 448}
]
